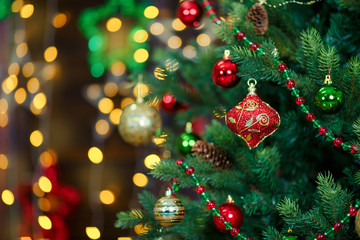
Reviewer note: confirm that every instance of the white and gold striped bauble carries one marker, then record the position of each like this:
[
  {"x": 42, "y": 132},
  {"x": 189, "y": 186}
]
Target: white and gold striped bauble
[{"x": 169, "y": 210}]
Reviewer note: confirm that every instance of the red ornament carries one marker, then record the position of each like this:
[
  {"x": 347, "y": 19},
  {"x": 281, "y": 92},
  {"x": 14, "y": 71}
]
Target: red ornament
[
  {"x": 170, "y": 104},
  {"x": 323, "y": 130},
  {"x": 290, "y": 84},
  {"x": 320, "y": 236},
  {"x": 210, "y": 204},
  {"x": 240, "y": 35},
  {"x": 252, "y": 119},
  {"x": 189, "y": 12},
  {"x": 200, "y": 189},
  {"x": 232, "y": 214},
  {"x": 282, "y": 67},
  {"x": 353, "y": 211},
  {"x": 299, "y": 101},
  {"x": 310, "y": 116},
  {"x": 254, "y": 46},
  {"x": 338, "y": 226},
  {"x": 338, "y": 142},
  {"x": 179, "y": 162},
  {"x": 224, "y": 72},
  {"x": 354, "y": 148},
  {"x": 189, "y": 170}
]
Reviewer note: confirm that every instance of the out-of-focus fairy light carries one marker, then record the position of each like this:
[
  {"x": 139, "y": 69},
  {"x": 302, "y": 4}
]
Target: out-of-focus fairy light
[
  {"x": 115, "y": 116},
  {"x": 45, "y": 184},
  {"x": 157, "y": 28},
  {"x": 4, "y": 105},
  {"x": 106, "y": 105},
  {"x": 102, "y": 127},
  {"x": 93, "y": 232},
  {"x": 37, "y": 191},
  {"x": 125, "y": 102},
  {"x": 4, "y": 162},
  {"x": 93, "y": 91},
  {"x": 45, "y": 222},
  {"x": 33, "y": 85},
  {"x": 20, "y": 96},
  {"x": 141, "y": 55},
  {"x": 25, "y": 238},
  {"x": 21, "y": 50},
  {"x": 27, "y": 11},
  {"x": 140, "y": 179},
  {"x": 113, "y": 24},
  {"x": 4, "y": 119},
  {"x": 17, "y": 5},
  {"x": 177, "y": 25},
  {"x": 44, "y": 204},
  {"x": 59, "y": 20},
  {"x": 50, "y": 54},
  {"x": 28, "y": 69},
  {"x": 151, "y": 12},
  {"x": 8, "y": 197},
  {"x": 166, "y": 154},
  {"x": 19, "y": 36},
  {"x": 189, "y": 51},
  {"x": 40, "y": 100},
  {"x": 140, "y": 36},
  {"x": 124, "y": 238},
  {"x": 36, "y": 138},
  {"x": 107, "y": 197},
  {"x": 117, "y": 68},
  {"x": 50, "y": 71},
  {"x": 9, "y": 84},
  {"x": 203, "y": 40},
  {"x": 142, "y": 88},
  {"x": 174, "y": 42},
  {"x": 95, "y": 155},
  {"x": 151, "y": 160},
  {"x": 48, "y": 158},
  {"x": 111, "y": 89},
  {"x": 14, "y": 68}
]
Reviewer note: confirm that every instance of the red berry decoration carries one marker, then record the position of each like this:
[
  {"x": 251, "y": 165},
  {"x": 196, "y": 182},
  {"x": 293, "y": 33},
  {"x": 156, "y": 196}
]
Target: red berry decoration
[
  {"x": 200, "y": 189},
  {"x": 338, "y": 226},
  {"x": 232, "y": 214},
  {"x": 353, "y": 211},
  {"x": 224, "y": 72},
  {"x": 282, "y": 67},
  {"x": 249, "y": 238},
  {"x": 189, "y": 12},
  {"x": 323, "y": 130},
  {"x": 320, "y": 236},
  {"x": 179, "y": 162},
  {"x": 189, "y": 170},
  {"x": 338, "y": 142},
  {"x": 170, "y": 103},
  {"x": 290, "y": 84},
  {"x": 254, "y": 46},
  {"x": 210, "y": 204},
  {"x": 310, "y": 116},
  {"x": 240, "y": 35},
  {"x": 299, "y": 101},
  {"x": 234, "y": 232},
  {"x": 354, "y": 148}
]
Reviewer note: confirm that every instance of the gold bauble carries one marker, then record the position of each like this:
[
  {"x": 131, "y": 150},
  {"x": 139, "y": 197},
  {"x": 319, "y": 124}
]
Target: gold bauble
[
  {"x": 139, "y": 123},
  {"x": 169, "y": 210},
  {"x": 357, "y": 223}
]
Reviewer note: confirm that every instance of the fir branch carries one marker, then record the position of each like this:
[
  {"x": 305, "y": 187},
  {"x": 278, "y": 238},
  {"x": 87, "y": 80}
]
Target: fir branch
[
  {"x": 258, "y": 203},
  {"x": 288, "y": 208},
  {"x": 357, "y": 178},
  {"x": 352, "y": 5},
  {"x": 147, "y": 200},
  {"x": 270, "y": 233},
  {"x": 328, "y": 58},
  {"x": 129, "y": 219}
]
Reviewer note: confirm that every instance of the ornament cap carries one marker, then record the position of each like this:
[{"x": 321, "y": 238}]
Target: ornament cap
[
  {"x": 139, "y": 98},
  {"x": 252, "y": 83},
  {"x": 327, "y": 80},
  {"x": 168, "y": 192},
  {"x": 188, "y": 127},
  {"x": 230, "y": 199},
  {"x": 226, "y": 55}
]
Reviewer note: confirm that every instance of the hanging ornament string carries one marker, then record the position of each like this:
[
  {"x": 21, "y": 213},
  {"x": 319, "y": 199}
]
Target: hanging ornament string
[
  {"x": 288, "y": 2},
  {"x": 235, "y": 232},
  {"x": 290, "y": 83}
]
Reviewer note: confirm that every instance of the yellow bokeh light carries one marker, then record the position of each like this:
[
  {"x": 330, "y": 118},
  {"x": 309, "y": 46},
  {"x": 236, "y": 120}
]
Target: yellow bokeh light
[
  {"x": 45, "y": 222},
  {"x": 37, "y": 191},
  {"x": 167, "y": 154},
  {"x": 140, "y": 229},
  {"x": 20, "y": 96},
  {"x": 17, "y": 5},
  {"x": 8, "y": 197},
  {"x": 19, "y": 36},
  {"x": 140, "y": 36},
  {"x": 102, "y": 127},
  {"x": 95, "y": 155},
  {"x": 140, "y": 179},
  {"x": 44, "y": 204},
  {"x": 115, "y": 116},
  {"x": 21, "y": 50},
  {"x": 113, "y": 24},
  {"x": 14, "y": 68},
  {"x": 59, "y": 20},
  {"x": 125, "y": 102},
  {"x": 47, "y": 158},
  {"x": 93, "y": 91},
  {"x": 9, "y": 84},
  {"x": 40, "y": 100},
  {"x": 177, "y": 25},
  {"x": 4, "y": 105},
  {"x": 151, "y": 12},
  {"x": 106, "y": 105},
  {"x": 93, "y": 232},
  {"x": 50, "y": 54},
  {"x": 174, "y": 42},
  {"x": 189, "y": 51},
  {"x": 107, "y": 197},
  {"x": 111, "y": 89},
  {"x": 33, "y": 85},
  {"x": 36, "y": 138},
  {"x": 4, "y": 162},
  {"x": 124, "y": 238},
  {"x": 34, "y": 110},
  {"x": 141, "y": 55},
  {"x": 203, "y": 40},
  {"x": 28, "y": 69},
  {"x": 25, "y": 238},
  {"x": 27, "y": 11},
  {"x": 50, "y": 71},
  {"x": 4, "y": 119},
  {"x": 118, "y": 68},
  {"x": 45, "y": 184},
  {"x": 157, "y": 28},
  {"x": 151, "y": 160},
  {"x": 141, "y": 89}
]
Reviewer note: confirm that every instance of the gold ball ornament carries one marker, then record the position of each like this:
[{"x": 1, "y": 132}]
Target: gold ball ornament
[
  {"x": 169, "y": 210},
  {"x": 139, "y": 123},
  {"x": 357, "y": 223}
]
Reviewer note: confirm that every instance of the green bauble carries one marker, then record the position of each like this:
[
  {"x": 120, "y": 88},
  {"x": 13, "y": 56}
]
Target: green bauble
[
  {"x": 290, "y": 237},
  {"x": 186, "y": 142},
  {"x": 329, "y": 99}
]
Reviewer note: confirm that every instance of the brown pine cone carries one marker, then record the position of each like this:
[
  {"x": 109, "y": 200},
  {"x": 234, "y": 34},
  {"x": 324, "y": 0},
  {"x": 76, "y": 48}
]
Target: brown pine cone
[
  {"x": 209, "y": 152},
  {"x": 257, "y": 14}
]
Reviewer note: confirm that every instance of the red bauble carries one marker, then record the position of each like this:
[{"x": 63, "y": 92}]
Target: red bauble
[
  {"x": 189, "y": 12},
  {"x": 170, "y": 104},
  {"x": 224, "y": 73},
  {"x": 253, "y": 120},
  {"x": 232, "y": 214}
]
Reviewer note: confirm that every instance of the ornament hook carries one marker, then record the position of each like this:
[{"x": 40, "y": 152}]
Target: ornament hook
[
  {"x": 251, "y": 83},
  {"x": 139, "y": 98},
  {"x": 328, "y": 78}
]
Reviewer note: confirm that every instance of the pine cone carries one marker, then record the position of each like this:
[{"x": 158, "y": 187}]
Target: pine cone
[
  {"x": 258, "y": 16},
  {"x": 213, "y": 154}
]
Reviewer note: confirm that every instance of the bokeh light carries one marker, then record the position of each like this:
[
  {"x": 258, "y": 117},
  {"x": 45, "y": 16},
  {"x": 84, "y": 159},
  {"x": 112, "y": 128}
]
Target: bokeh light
[
  {"x": 45, "y": 184},
  {"x": 19, "y": 36},
  {"x": 117, "y": 68},
  {"x": 174, "y": 42},
  {"x": 45, "y": 222},
  {"x": 157, "y": 28},
  {"x": 4, "y": 105},
  {"x": 47, "y": 158},
  {"x": 95, "y": 155},
  {"x": 28, "y": 69},
  {"x": 106, "y": 105},
  {"x": 93, "y": 232},
  {"x": 44, "y": 204},
  {"x": 10, "y": 83},
  {"x": 107, "y": 197},
  {"x": 177, "y": 25},
  {"x": 27, "y": 11},
  {"x": 111, "y": 89},
  {"x": 115, "y": 116},
  {"x": 40, "y": 100},
  {"x": 141, "y": 55},
  {"x": 102, "y": 127},
  {"x": 50, "y": 54},
  {"x": 141, "y": 88},
  {"x": 17, "y": 5},
  {"x": 189, "y": 51},
  {"x": 125, "y": 102},
  {"x": 33, "y": 85},
  {"x": 14, "y": 68},
  {"x": 4, "y": 119},
  {"x": 151, "y": 12},
  {"x": 140, "y": 36},
  {"x": 151, "y": 160},
  {"x": 113, "y": 24},
  {"x": 20, "y": 96},
  {"x": 21, "y": 50},
  {"x": 36, "y": 138},
  {"x": 37, "y": 191},
  {"x": 203, "y": 40},
  {"x": 4, "y": 162},
  {"x": 140, "y": 179},
  {"x": 8, "y": 197},
  {"x": 59, "y": 20},
  {"x": 93, "y": 91}
]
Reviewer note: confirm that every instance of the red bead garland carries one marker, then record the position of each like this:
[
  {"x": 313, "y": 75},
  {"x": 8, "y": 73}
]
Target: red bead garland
[
  {"x": 320, "y": 236},
  {"x": 254, "y": 46},
  {"x": 234, "y": 232},
  {"x": 352, "y": 211},
  {"x": 354, "y": 149},
  {"x": 299, "y": 100},
  {"x": 310, "y": 116},
  {"x": 240, "y": 35},
  {"x": 210, "y": 204},
  {"x": 338, "y": 226},
  {"x": 282, "y": 67},
  {"x": 200, "y": 189},
  {"x": 290, "y": 83},
  {"x": 323, "y": 130},
  {"x": 189, "y": 170},
  {"x": 338, "y": 142},
  {"x": 179, "y": 162}
]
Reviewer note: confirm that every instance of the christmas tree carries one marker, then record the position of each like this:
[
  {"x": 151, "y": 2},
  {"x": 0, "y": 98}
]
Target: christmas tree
[{"x": 298, "y": 179}]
